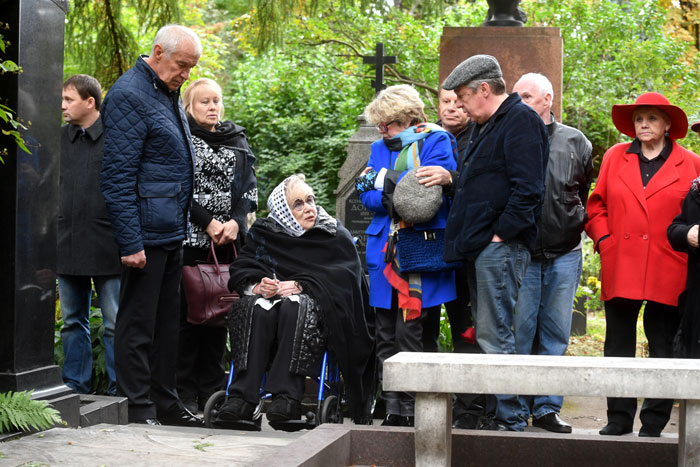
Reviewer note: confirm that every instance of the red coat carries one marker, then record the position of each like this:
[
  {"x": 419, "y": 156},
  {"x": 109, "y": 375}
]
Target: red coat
[{"x": 637, "y": 262}]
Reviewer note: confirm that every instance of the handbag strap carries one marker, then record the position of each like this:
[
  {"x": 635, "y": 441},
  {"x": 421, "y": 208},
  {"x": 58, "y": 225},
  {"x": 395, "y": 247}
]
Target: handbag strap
[{"x": 212, "y": 256}]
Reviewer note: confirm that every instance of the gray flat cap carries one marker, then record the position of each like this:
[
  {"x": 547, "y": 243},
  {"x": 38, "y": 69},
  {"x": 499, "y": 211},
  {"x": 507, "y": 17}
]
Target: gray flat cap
[
  {"x": 475, "y": 67},
  {"x": 416, "y": 203}
]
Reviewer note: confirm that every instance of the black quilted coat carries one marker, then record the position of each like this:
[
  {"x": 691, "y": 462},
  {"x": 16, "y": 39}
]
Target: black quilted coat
[{"x": 148, "y": 163}]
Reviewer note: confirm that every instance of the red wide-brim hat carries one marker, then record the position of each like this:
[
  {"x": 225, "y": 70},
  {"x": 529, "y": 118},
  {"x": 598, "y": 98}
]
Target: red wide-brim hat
[
  {"x": 622, "y": 115},
  {"x": 695, "y": 127}
]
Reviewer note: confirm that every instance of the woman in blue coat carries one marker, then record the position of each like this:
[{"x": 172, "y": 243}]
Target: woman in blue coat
[{"x": 406, "y": 143}]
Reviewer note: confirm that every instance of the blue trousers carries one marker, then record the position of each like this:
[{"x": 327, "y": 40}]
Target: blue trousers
[
  {"x": 76, "y": 293},
  {"x": 544, "y": 308}
]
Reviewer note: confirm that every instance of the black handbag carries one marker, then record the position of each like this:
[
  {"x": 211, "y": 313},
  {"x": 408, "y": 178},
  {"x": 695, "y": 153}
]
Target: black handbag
[
  {"x": 421, "y": 250},
  {"x": 206, "y": 290}
]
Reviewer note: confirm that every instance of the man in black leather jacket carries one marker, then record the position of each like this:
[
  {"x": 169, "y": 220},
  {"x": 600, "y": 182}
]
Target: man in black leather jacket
[{"x": 545, "y": 301}]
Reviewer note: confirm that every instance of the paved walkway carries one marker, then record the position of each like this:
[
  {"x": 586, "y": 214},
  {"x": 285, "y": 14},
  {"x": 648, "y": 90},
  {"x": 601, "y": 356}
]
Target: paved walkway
[{"x": 131, "y": 445}]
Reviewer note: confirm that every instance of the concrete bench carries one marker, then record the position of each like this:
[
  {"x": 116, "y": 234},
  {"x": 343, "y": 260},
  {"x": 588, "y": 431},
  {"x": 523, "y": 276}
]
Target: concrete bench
[{"x": 434, "y": 377}]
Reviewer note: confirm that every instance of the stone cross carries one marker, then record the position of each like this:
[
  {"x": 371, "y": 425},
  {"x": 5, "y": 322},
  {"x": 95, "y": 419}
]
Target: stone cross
[{"x": 379, "y": 59}]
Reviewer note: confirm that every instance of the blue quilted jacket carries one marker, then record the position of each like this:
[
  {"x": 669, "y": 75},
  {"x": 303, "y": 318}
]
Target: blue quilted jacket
[{"x": 148, "y": 163}]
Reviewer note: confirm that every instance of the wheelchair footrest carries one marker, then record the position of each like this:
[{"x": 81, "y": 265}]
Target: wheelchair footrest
[{"x": 242, "y": 425}]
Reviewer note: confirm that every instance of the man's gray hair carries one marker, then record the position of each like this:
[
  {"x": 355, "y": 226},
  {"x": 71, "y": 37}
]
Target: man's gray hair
[
  {"x": 496, "y": 85},
  {"x": 543, "y": 83},
  {"x": 171, "y": 36}
]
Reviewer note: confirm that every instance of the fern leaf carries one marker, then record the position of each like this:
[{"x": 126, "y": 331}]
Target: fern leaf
[{"x": 19, "y": 411}]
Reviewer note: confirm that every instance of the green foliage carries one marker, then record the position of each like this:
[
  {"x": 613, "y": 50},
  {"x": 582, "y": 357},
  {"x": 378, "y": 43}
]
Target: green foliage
[
  {"x": 588, "y": 289},
  {"x": 300, "y": 102},
  {"x": 104, "y": 38},
  {"x": 445, "y": 343},
  {"x": 18, "y": 411},
  {"x": 613, "y": 52}
]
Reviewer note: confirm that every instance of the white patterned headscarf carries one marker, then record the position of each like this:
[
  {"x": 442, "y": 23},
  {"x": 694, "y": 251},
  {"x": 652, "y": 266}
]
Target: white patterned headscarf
[{"x": 279, "y": 209}]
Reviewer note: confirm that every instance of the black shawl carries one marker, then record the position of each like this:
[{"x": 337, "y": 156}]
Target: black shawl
[{"x": 326, "y": 264}]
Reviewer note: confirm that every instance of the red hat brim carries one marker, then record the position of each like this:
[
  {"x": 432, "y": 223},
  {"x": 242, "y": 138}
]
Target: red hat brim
[{"x": 622, "y": 115}]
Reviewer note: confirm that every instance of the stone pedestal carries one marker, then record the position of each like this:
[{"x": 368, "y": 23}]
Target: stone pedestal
[
  {"x": 29, "y": 194},
  {"x": 518, "y": 50},
  {"x": 348, "y": 207}
]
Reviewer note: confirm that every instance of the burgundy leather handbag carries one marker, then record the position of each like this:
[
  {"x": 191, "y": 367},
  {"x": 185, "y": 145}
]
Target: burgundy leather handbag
[{"x": 206, "y": 290}]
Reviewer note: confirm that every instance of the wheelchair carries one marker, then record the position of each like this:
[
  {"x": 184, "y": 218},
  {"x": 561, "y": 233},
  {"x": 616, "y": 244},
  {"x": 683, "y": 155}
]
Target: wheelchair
[{"x": 329, "y": 404}]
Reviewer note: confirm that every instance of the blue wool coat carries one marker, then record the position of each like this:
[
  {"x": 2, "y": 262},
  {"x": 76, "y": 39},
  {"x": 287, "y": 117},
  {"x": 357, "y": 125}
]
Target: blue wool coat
[
  {"x": 148, "y": 164},
  {"x": 438, "y": 288}
]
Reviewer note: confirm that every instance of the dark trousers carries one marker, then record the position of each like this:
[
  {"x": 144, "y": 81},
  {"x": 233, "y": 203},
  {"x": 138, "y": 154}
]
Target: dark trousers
[
  {"x": 200, "y": 356},
  {"x": 271, "y": 342},
  {"x": 147, "y": 332},
  {"x": 393, "y": 335},
  {"x": 660, "y": 325}
]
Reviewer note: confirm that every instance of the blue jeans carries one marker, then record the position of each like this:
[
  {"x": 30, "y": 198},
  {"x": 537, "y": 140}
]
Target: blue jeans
[
  {"x": 494, "y": 279},
  {"x": 544, "y": 308},
  {"x": 75, "y": 293}
]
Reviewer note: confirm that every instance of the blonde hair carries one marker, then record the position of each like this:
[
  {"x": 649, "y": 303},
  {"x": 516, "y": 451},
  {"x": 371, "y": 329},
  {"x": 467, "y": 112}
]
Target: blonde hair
[
  {"x": 191, "y": 94},
  {"x": 400, "y": 103}
]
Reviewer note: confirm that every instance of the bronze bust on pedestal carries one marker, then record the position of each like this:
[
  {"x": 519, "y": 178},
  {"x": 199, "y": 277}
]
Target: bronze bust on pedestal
[{"x": 504, "y": 13}]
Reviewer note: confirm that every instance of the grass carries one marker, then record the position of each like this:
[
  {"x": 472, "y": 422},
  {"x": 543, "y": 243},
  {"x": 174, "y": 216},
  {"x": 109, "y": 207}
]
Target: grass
[{"x": 591, "y": 345}]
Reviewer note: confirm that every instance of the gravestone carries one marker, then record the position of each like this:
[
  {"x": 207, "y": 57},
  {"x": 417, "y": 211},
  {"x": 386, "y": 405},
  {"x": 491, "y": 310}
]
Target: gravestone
[
  {"x": 29, "y": 197},
  {"x": 348, "y": 207},
  {"x": 518, "y": 50}
]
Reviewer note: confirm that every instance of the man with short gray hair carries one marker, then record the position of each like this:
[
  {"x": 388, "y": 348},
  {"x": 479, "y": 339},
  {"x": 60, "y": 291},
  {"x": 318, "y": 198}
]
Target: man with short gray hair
[
  {"x": 546, "y": 297},
  {"x": 147, "y": 180},
  {"x": 497, "y": 198}
]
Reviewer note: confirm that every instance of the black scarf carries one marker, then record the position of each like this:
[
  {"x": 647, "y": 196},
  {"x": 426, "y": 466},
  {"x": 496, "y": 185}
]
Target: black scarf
[
  {"x": 325, "y": 262},
  {"x": 224, "y": 135}
]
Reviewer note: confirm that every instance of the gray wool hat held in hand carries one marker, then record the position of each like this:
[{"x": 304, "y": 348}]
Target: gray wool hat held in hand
[
  {"x": 416, "y": 203},
  {"x": 475, "y": 67}
]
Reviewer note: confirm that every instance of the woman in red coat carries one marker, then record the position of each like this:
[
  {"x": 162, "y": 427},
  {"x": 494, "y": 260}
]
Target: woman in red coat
[{"x": 639, "y": 191}]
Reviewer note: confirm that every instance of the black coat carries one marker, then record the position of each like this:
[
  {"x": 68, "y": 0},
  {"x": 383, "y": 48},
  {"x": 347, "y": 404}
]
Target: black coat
[
  {"x": 687, "y": 343},
  {"x": 325, "y": 262},
  {"x": 501, "y": 182},
  {"x": 85, "y": 245}
]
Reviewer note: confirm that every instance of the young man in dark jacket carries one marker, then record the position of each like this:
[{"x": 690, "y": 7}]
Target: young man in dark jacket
[
  {"x": 86, "y": 250},
  {"x": 546, "y": 297},
  {"x": 497, "y": 199},
  {"x": 147, "y": 180}
]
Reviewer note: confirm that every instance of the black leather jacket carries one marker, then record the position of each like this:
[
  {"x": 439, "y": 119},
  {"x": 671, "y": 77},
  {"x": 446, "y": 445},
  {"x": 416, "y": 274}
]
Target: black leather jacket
[{"x": 569, "y": 176}]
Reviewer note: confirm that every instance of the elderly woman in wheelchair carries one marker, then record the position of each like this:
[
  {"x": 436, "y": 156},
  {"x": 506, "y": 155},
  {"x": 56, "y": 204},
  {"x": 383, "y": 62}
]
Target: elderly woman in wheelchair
[{"x": 302, "y": 291}]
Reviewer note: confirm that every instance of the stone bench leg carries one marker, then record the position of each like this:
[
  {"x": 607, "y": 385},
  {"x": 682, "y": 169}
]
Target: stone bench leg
[
  {"x": 433, "y": 430},
  {"x": 689, "y": 434}
]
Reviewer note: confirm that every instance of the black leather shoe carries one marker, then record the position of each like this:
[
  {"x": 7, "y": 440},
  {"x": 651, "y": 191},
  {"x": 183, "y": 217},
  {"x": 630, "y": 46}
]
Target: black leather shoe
[
  {"x": 182, "y": 418},
  {"x": 409, "y": 420},
  {"x": 649, "y": 432},
  {"x": 614, "y": 429},
  {"x": 148, "y": 421},
  {"x": 491, "y": 425},
  {"x": 466, "y": 421},
  {"x": 552, "y": 422},
  {"x": 393, "y": 419},
  {"x": 236, "y": 408},
  {"x": 283, "y": 408}
]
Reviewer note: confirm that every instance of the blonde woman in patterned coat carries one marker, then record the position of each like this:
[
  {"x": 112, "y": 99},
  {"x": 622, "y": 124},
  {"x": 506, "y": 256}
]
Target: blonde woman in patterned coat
[{"x": 225, "y": 192}]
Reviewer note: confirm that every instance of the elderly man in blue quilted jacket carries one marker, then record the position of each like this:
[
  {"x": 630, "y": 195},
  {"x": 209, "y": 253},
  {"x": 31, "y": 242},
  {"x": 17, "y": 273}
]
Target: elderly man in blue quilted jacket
[{"x": 147, "y": 179}]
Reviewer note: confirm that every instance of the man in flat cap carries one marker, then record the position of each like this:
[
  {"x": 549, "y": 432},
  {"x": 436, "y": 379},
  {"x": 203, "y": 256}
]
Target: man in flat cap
[{"x": 497, "y": 198}]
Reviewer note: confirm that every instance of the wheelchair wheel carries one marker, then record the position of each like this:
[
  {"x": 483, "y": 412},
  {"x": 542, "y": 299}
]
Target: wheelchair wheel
[
  {"x": 211, "y": 408},
  {"x": 331, "y": 411}
]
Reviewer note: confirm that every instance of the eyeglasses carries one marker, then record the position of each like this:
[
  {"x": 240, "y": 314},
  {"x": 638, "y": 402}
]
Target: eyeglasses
[
  {"x": 384, "y": 127},
  {"x": 298, "y": 204}
]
